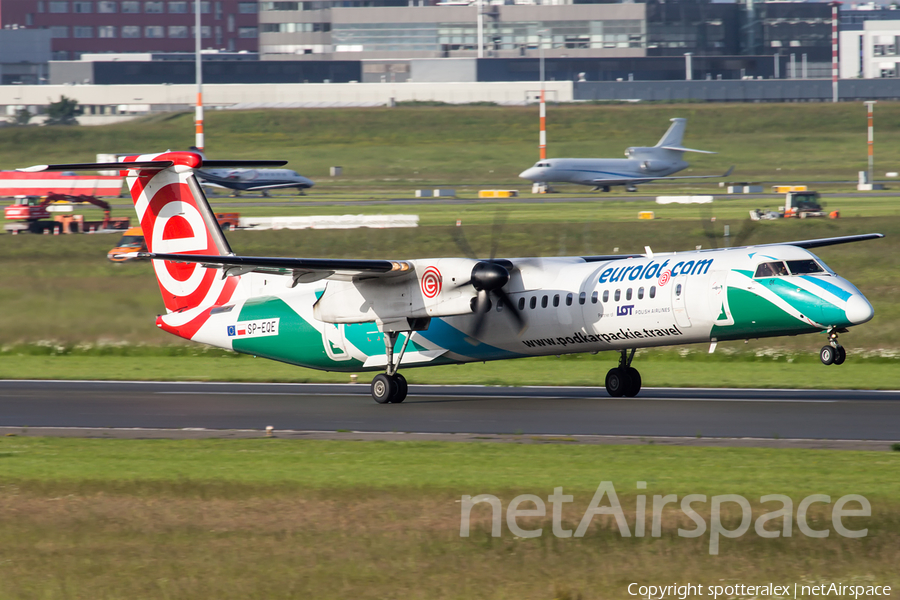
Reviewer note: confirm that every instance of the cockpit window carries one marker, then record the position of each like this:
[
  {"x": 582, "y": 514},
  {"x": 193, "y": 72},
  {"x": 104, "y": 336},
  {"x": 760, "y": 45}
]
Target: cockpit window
[
  {"x": 771, "y": 269},
  {"x": 802, "y": 267},
  {"x": 542, "y": 164}
]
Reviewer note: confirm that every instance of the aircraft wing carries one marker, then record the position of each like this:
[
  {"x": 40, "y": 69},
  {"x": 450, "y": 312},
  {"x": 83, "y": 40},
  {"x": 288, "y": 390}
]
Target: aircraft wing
[
  {"x": 274, "y": 186},
  {"x": 844, "y": 239},
  {"x": 304, "y": 270},
  {"x": 626, "y": 180}
]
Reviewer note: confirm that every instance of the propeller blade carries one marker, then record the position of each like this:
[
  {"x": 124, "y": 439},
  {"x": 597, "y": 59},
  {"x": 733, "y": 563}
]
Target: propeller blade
[
  {"x": 482, "y": 306},
  {"x": 509, "y": 305},
  {"x": 747, "y": 230},
  {"x": 462, "y": 243},
  {"x": 496, "y": 231},
  {"x": 708, "y": 229}
]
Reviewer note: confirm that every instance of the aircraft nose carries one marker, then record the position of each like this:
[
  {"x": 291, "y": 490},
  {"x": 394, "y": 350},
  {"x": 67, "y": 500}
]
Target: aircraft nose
[
  {"x": 530, "y": 174},
  {"x": 859, "y": 310}
]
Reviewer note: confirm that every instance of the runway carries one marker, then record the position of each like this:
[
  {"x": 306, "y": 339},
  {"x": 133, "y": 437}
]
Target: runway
[{"x": 772, "y": 414}]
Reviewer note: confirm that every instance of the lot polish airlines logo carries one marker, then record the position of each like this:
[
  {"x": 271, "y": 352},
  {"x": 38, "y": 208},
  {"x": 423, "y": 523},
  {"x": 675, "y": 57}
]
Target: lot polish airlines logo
[{"x": 432, "y": 282}]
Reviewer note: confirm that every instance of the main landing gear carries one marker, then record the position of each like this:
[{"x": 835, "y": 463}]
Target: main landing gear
[
  {"x": 623, "y": 380},
  {"x": 390, "y": 386},
  {"x": 833, "y": 353}
]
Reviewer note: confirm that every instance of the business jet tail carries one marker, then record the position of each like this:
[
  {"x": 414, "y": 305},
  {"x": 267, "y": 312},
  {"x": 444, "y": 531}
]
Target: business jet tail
[{"x": 672, "y": 139}]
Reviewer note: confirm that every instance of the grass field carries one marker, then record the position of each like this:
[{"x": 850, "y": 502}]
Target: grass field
[
  {"x": 294, "y": 519},
  {"x": 484, "y": 144}
]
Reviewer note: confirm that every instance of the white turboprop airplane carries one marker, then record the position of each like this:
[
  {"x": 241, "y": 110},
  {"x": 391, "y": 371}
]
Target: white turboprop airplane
[
  {"x": 376, "y": 315},
  {"x": 643, "y": 164}
]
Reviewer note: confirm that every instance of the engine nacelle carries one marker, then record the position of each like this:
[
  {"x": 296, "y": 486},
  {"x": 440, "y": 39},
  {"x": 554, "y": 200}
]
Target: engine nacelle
[
  {"x": 433, "y": 290},
  {"x": 655, "y": 166}
]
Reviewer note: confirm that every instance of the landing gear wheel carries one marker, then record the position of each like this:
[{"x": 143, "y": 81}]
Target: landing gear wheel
[
  {"x": 617, "y": 382},
  {"x": 827, "y": 355},
  {"x": 402, "y": 389},
  {"x": 840, "y": 356},
  {"x": 384, "y": 388},
  {"x": 634, "y": 377}
]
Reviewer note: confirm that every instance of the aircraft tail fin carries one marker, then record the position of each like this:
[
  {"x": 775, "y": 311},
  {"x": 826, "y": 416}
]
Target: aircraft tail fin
[
  {"x": 674, "y": 134},
  {"x": 176, "y": 218}
]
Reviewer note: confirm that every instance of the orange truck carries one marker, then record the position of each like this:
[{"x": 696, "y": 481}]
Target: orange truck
[{"x": 133, "y": 241}]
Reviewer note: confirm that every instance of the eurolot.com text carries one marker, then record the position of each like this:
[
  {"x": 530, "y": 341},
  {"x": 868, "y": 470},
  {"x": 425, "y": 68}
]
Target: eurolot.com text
[{"x": 782, "y": 518}]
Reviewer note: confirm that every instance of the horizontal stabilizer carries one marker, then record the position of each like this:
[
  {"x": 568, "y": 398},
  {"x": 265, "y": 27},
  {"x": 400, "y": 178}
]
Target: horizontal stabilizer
[
  {"x": 229, "y": 164},
  {"x": 326, "y": 267},
  {"x": 152, "y": 164},
  {"x": 680, "y": 149},
  {"x": 149, "y": 164}
]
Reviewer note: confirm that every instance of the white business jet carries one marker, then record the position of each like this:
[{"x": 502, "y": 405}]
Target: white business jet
[{"x": 643, "y": 164}]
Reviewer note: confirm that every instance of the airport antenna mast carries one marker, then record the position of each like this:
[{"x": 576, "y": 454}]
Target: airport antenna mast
[{"x": 198, "y": 117}]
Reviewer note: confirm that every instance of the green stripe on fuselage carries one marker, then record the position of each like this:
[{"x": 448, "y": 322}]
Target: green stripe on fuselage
[
  {"x": 297, "y": 342},
  {"x": 755, "y": 316}
]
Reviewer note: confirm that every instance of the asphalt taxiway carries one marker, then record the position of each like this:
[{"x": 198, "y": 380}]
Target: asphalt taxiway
[{"x": 672, "y": 412}]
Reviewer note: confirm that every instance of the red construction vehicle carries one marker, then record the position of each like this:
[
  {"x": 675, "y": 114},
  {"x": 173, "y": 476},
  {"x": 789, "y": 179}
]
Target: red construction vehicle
[{"x": 33, "y": 214}]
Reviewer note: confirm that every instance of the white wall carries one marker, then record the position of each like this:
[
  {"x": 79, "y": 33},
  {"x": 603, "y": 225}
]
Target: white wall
[{"x": 282, "y": 95}]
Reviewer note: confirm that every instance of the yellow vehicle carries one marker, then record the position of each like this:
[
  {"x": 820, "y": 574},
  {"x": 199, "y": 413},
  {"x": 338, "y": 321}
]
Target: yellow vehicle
[{"x": 131, "y": 243}]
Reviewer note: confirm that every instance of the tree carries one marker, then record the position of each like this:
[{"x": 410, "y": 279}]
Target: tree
[
  {"x": 21, "y": 117},
  {"x": 62, "y": 112}
]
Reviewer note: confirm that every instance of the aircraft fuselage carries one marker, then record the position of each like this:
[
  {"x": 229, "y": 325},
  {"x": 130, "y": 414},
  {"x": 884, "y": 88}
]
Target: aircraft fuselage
[{"x": 570, "y": 306}]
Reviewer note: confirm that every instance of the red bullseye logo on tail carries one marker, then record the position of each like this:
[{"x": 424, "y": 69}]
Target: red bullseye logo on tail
[
  {"x": 664, "y": 278},
  {"x": 431, "y": 282}
]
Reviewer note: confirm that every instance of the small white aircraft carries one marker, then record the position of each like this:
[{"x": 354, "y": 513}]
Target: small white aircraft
[
  {"x": 643, "y": 164},
  {"x": 376, "y": 315}
]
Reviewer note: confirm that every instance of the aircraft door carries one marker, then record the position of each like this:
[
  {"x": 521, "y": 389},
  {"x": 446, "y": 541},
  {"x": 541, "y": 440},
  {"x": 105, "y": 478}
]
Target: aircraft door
[
  {"x": 720, "y": 312},
  {"x": 678, "y": 287},
  {"x": 333, "y": 341}
]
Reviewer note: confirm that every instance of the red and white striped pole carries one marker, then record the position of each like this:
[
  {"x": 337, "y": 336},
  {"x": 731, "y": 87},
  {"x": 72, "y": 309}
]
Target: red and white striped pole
[
  {"x": 870, "y": 105},
  {"x": 834, "y": 51},
  {"x": 543, "y": 138},
  {"x": 198, "y": 116},
  {"x": 542, "y": 141}
]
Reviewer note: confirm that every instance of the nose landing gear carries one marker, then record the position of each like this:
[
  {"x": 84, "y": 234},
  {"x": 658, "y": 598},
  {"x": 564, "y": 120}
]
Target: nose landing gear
[
  {"x": 624, "y": 380},
  {"x": 833, "y": 353}
]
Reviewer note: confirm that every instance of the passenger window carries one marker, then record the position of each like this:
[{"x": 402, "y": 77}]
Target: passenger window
[
  {"x": 640, "y": 293},
  {"x": 594, "y": 297},
  {"x": 618, "y": 295},
  {"x": 653, "y": 291},
  {"x": 605, "y": 296},
  {"x": 533, "y": 302},
  {"x": 628, "y": 294},
  {"x": 582, "y": 297},
  {"x": 499, "y": 304},
  {"x": 521, "y": 303},
  {"x": 556, "y": 300},
  {"x": 569, "y": 298},
  {"x": 544, "y": 302},
  {"x": 678, "y": 290}
]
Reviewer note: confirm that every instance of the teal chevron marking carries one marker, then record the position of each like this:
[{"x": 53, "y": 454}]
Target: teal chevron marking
[
  {"x": 829, "y": 287},
  {"x": 454, "y": 340},
  {"x": 297, "y": 342}
]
